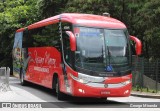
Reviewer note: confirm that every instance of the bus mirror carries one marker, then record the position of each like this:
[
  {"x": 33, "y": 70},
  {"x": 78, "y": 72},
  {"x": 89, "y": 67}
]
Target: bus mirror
[
  {"x": 72, "y": 40},
  {"x": 138, "y": 45}
]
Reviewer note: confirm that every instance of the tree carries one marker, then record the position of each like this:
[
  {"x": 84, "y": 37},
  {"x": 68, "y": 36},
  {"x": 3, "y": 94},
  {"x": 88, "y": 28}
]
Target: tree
[
  {"x": 140, "y": 16},
  {"x": 13, "y": 15},
  {"x": 148, "y": 26},
  {"x": 48, "y": 8}
]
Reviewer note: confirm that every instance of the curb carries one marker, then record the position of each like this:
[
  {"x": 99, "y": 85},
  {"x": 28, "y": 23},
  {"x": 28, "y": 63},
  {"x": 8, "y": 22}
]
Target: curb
[{"x": 145, "y": 95}]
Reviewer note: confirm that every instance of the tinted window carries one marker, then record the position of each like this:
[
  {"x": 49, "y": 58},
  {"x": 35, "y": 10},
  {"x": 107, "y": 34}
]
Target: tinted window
[{"x": 43, "y": 36}]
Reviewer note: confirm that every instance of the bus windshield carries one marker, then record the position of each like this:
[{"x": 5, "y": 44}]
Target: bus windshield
[{"x": 102, "y": 52}]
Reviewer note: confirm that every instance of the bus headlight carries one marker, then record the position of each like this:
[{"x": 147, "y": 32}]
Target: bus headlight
[
  {"x": 127, "y": 82},
  {"x": 83, "y": 78}
]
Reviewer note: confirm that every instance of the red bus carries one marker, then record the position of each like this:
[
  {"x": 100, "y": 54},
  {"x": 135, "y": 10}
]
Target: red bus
[{"x": 81, "y": 55}]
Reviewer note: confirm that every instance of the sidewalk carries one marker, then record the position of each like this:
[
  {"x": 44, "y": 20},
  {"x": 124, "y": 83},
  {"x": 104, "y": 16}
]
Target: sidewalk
[
  {"x": 145, "y": 94},
  {"x": 18, "y": 95}
]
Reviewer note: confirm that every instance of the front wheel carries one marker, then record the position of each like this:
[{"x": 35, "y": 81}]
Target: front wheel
[
  {"x": 60, "y": 95},
  {"x": 22, "y": 81},
  {"x": 103, "y": 99}
]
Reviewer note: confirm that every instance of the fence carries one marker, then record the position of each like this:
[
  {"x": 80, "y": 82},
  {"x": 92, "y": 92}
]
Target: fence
[
  {"x": 146, "y": 74},
  {"x": 4, "y": 79}
]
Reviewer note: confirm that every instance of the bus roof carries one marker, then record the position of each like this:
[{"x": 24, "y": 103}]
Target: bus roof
[{"x": 88, "y": 20}]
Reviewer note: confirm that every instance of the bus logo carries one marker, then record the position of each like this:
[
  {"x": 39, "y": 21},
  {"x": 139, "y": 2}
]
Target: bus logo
[{"x": 106, "y": 85}]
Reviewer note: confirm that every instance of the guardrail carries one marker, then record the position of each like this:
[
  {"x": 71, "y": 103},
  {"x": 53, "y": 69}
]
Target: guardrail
[{"x": 4, "y": 79}]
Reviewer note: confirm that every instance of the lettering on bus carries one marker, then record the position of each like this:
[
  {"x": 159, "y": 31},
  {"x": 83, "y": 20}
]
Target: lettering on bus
[
  {"x": 41, "y": 69},
  {"x": 39, "y": 61}
]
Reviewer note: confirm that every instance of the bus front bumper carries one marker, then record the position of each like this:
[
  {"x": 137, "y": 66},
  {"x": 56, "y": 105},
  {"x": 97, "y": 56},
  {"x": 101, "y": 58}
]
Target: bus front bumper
[{"x": 100, "y": 90}]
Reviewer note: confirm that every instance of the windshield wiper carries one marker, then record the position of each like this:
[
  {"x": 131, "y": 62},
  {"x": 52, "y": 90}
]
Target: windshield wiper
[
  {"x": 109, "y": 68},
  {"x": 109, "y": 55}
]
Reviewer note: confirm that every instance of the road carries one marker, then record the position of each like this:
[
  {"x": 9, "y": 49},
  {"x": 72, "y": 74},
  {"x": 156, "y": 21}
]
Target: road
[{"x": 35, "y": 93}]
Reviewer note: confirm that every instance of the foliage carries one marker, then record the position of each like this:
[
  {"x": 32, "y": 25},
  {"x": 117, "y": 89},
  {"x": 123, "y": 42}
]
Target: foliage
[
  {"x": 140, "y": 16},
  {"x": 13, "y": 15},
  {"x": 47, "y": 8},
  {"x": 148, "y": 22}
]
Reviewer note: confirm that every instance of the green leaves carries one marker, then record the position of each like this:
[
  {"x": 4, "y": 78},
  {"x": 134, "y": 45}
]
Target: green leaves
[
  {"x": 14, "y": 14},
  {"x": 140, "y": 16},
  {"x": 148, "y": 21}
]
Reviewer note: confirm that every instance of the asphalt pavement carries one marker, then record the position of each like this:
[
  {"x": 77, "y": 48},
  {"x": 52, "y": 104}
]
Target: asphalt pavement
[{"x": 35, "y": 93}]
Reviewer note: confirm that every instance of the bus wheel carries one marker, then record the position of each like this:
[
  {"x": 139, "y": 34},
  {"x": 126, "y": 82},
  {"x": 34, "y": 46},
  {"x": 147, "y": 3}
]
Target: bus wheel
[
  {"x": 22, "y": 81},
  {"x": 103, "y": 99},
  {"x": 60, "y": 95}
]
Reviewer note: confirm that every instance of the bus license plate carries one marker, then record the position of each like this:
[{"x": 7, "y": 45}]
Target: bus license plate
[{"x": 105, "y": 92}]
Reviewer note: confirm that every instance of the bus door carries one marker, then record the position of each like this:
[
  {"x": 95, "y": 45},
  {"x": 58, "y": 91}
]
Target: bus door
[{"x": 68, "y": 58}]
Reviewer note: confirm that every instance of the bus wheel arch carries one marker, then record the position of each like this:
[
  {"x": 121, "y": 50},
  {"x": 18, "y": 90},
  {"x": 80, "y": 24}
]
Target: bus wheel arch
[
  {"x": 56, "y": 87},
  {"x": 54, "y": 80}
]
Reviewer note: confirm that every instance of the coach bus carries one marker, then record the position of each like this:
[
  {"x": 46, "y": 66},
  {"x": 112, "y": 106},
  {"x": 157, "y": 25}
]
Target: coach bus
[{"x": 80, "y": 55}]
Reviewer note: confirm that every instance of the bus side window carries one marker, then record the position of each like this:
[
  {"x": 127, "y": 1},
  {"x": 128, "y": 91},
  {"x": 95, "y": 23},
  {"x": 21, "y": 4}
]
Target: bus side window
[
  {"x": 55, "y": 37},
  {"x": 57, "y": 44},
  {"x": 45, "y": 36},
  {"x": 27, "y": 40},
  {"x": 24, "y": 40}
]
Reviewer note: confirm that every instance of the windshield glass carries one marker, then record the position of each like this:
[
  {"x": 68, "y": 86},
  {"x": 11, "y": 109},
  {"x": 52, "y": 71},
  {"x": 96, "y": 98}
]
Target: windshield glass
[{"x": 102, "y": 52}]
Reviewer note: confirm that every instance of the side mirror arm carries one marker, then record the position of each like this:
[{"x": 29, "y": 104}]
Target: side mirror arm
[
  {"x": 138, "y": 44},
  {"x": 72, "y": 40}
]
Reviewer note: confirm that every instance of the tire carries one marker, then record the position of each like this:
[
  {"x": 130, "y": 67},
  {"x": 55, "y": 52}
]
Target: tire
[
  {"x": 103, "y": 99},
  {"x": 22, "y": 81},
  {"x": 60, "y": 95}
]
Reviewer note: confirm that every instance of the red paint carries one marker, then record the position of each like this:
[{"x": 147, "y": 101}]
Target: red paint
[
  {"x": 97, "y": 92},
  {"x": 44, "y": 62},
  {"x": 115, "y": 80},
  {"x": 138, "y": 44},
  {"x": 80, "y": 19},
  {"x": 72, "y": 40}
]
